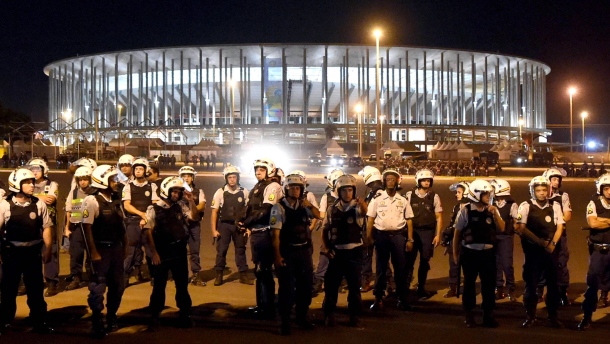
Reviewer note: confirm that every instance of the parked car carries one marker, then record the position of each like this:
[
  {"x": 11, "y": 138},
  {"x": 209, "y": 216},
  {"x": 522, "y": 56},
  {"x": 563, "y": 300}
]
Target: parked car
[
  {"x": 337, "y": 161},
  {"x": 344, "y": 156},
  {"x": 314, "y": 161},
  {"x": 355, "y": 161}
]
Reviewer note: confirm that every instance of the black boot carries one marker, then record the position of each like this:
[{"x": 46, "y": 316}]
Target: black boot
[
  {"x": 111, "y": 322},
  {"x": 452, "y": 292},
  {"x": 154, "y": 324},
  {"x": 244, "y": 279},
  {"x": 603, "y": 299},
  {"x": 285, "y": 329},
  {"x": 563, "y": 296},
  {"x": 52, "y": 289},
  {"x": 219, "y": 278},
  {"x": 469, "y": 320},
  {"x": 530, "y": 320},
  {"x": 97, "y": 326},
  {"x": 317, "y": 287},
  {"x": 378, "y": 304},
  {"x": 585, "y": 323},
  {"x": 42, "y": 328},
  {"x": 184, "y": 320},
  {"x": 553, "y": 321},
  {"x": 489, "y": 320},
  {"x": 304, "y": 323}
]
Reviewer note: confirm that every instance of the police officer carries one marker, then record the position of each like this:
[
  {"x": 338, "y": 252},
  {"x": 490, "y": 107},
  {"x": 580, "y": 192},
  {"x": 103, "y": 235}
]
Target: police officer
[
  {"x": 389, "y": 223},
  {"x": 137, "y": 196},
  {"x": 292, "y": 247},
  {"x": 309, "y": 196},
  {"x": 228, "y": 204},
  {"x": 78, "y": 163},
  {"x": 473, "y": 245},
  {"x": 461, "y": 191},
  {"x": 327, "y": 199},
  {"x": 265, "y": 194},
  {"x": 125, "y": 169},
  {"x": 598, "y": 219},
  {"x": 372, "y": 179},
  {"x": 47, "y": 190},
  {"x": 169, "y": 217},
  {"x": 73, "y": 185},
  {"x": 540, "y": 225},
  {"x": 342, "y": 243},
  {"x": 427, "y": 224},
  {"x": 25, "y": 227},
  {"x": 555, "y": 176},
  {"x": 153, "y": 176},
  {"x": 505, "y": 240},
  {"x": 188, "y": 173},
  {"x": 74, "y": 212},
  {"x": 102, "y": 222}
]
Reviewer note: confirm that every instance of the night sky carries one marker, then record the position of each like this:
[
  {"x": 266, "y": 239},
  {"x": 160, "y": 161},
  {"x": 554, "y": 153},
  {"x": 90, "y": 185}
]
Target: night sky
[{"x": 572, "y": 37}]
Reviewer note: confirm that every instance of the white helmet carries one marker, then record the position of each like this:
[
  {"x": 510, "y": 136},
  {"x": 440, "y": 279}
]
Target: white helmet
[
  {"x": 394, "y": 171},
  {"x": 424, "y": 174},
  {"x": 85, "y": 162},
  {"x": 187, "y": 170},
  {"x": 344, "y": 181},
  {"x": 294, "y": 179},
  {"x": 538, "y": 181},
  {"x": 603, "y": 180},
  {"x": 266, "y": 163},
  {"x": 100, "y": 178},
  {"x": 125, "y": 159},
  {"x": 370, "y": 174},
  {"x": 302, "y": 174},
  {"x": 231, "y": 170},
  {"x": 280, "y": 174},
  {"x": 478, "y": 187},
  {"x": 169, "y": 183},
  {"x": 501, "y": 187},
  {"x": 83, "y": 171},
  {"x": 17, "y": 177},
  {"x": 555, "y": 172},
  {"x": 462, "y": 184},
  {"x": 332, "y": 176},
  {"x": 41, "y": 164}
]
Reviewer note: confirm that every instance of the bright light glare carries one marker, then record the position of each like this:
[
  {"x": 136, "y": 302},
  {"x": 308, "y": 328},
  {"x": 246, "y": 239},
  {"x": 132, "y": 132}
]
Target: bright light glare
[
  {"x": 280, "y": 157},
  {"x": 592, "y": 144},
  {"x": 584, "y": 114},
  {"x": 572, "y": 90},
  {"x": 377, "y": 33},
  {"x": 358, "y": 108}
]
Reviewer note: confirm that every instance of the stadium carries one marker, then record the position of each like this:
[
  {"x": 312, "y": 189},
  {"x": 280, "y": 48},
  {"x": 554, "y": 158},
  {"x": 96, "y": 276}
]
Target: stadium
[{"x": 279, "y": 93}]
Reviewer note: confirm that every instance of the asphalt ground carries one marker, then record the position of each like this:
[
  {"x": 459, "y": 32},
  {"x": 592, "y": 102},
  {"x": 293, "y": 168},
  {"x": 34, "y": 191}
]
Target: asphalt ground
[{"x": 220, "y": 313}]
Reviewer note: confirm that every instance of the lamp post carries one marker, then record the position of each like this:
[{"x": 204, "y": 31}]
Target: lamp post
[
  {"x": 583, "y": 115},
  {"x": 377, "y": 34},
  {"x": 520, "y": 133},
  {"x": 571, "y": 91},
  {"x": 381, "y": 119},
  {"x": 358, "y": 109},
  {"x": 97, "y": 113},
  {"x": 67, "y": 116}
]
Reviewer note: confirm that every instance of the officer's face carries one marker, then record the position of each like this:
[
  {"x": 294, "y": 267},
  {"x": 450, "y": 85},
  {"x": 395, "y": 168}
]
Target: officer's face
[
  {"x": 232, "y": 180},
  {"x": 459, "y": 193},
  {"x": 139, "y": 171},
  {"x": 425, "y": 183},
  {"x": 555, "y": 182},
  {"x": 126, "y": 169},
  {"x": 541, "y": 192},
  {"x": 84, "y": 182},
  {"x": 175, "y": 195},
  {"x": 27, "y": 186},
  {"x": 485, "y": 197},
  {"x": 261, "y": 173},
  {"x": 188, "y": 178},
  {"x": 114, "y": 185},
  {"x": 390, "y": 181},
  {"x": 606, "y": 191},
  {"x": 37, "y": 172},
  {"x": 347, "y": 193},
  {"x": 294, "y": 191}
]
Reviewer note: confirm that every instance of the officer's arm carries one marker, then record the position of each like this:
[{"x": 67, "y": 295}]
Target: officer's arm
[
  {"x": 89, "y": 237},
  {"x": 202, "y": 202},
  {"x": 439, "y": 228},
  {"x": 314, "y": 211},
  {"x": 499, "y": 221},
  {"x": 596, "y": 223},
  {"x": 213, "y": 220},
  {"x": 567, "y": 215},
  {"x": 457, "y": 240},
  {"x": 522, "y": 230},
  {"x": 558, "y": 232},
  {"x": 257, "y": 215},
  {"x": 370, "y": 221},
  {"x": 132, "y": 210}
]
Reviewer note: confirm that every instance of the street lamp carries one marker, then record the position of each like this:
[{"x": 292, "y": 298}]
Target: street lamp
[
  {"x": 571, "y": 91},
  {"x": 583, "y": 115},
  {"x": 377, "y": 34},
  {"x": 520, "y": 133},
  {"x": 358, "y": 109}
]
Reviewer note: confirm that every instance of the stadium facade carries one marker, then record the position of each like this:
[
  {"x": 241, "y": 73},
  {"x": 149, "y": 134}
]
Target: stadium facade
[{"x": 291, "y": 93}]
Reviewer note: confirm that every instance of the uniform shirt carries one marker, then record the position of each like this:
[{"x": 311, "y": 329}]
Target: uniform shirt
[
  {"x": 312, "y": 199},
  {"x": 273, "y": 193},
  {"x": 592, "y": 209},
  {"x": 324, "y": 200},
  {"x": 565, "y": 201},
  {"x": 278, "y": 214},
  {"x": 390, "y": 213},
  {"x": 514, "y": 209},
  {"x": 438, "y": 207},
  {"x": 91, "y": 208},
  {"x": 127, "y": 190},
  {"x": 218, "y": 199},
  {"x": 524, "y": 210},
  {"x": 150, "y": 212},
  {"x": 201, "y": 195},
  {"x": 80, "y": 194},
  {"x": 345, "y": 208},
  {"x": 43, "y": 189},
  {"x": 5, "y": 211},
  {"x": 462, "y": 222}
]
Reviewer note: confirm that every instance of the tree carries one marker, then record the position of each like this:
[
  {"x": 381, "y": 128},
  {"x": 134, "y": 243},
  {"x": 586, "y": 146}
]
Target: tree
[{"x": 331, "y": 130}]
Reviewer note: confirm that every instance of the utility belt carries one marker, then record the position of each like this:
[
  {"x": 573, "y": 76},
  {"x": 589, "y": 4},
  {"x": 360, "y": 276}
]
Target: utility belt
[
  {"x": 478, "y": 247},
  {"x": 229, "y": 222},
  {"x": 603, "y": 248},
  {"x": 24, "y": 243},
  {"x": 300, "y": 245},
  {"x": 260, "y": 230},
  {"x": 391, "y": 232}
]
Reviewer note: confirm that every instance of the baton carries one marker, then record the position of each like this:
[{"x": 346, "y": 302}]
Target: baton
[{"x": 87, "y": 249}]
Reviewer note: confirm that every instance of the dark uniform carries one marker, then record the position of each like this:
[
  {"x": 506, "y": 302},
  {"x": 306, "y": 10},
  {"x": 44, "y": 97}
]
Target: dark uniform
[
  {"x": 504, "y": 248},
  {"x": 194, "y": 240},
  {"x": 599, "y": 261},
  {"x": 448, "y": 232},
  {"x": 50, "y": 269},
  {"x": 542, "y": 222},
  {"x": 106, "y": 220},
  {"x": 230, "y": 205},
  {"x": 294, "y": 278},
  {"x": 563, "y": 277},
  {"x": 21, "y": 247},
  {"x": 367, "y": 252},
  {"x": 327, "y": 200},
  {"x": 264, "y": 195}
]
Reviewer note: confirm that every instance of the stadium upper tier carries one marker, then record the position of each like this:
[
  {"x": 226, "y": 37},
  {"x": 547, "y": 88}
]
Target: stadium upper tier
[{"x": 289, "y": 93}]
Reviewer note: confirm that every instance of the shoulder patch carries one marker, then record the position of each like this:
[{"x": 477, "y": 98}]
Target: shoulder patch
[
  {"x": 212, "y": 203},
  {"x": 273, "y": 220},
  {"x": 271, "y": 197},
  {"x": 122, "y": 194},
  {"x": 519, "y": 217},
  {"x": 86, "y": 213}
]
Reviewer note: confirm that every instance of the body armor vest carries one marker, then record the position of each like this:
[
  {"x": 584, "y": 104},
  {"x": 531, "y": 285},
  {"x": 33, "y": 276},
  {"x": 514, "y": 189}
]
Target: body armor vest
[
  {"x": 52, "y": 209},
  {"x": 257, "y": 197},
  {"x": 25, "y": 224},
  {"x": 344, "y": 228},
  {"x": 423, "y": 211},
  {"x": 481, "y": 228},
  {"x": 233, "y": 205},
  {"x": 508, "y": 220},
  {"x": 169, "y": 225},
  {"x": 141, "y": 196},
  {"x": 600, "y": 236},
  {"x": 108, "y": 225},
  {"x": 295, "y": 230},
  {"x": 76, "y": 214},
  {"x": 541, "y": 221}
]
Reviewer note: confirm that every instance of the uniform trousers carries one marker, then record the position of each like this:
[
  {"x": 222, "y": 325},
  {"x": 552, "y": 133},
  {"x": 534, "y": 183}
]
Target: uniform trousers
[
  {"x": 51, "y": 269},
  {"x": 294, "y": 281},
  {"x": 482, "y": 264},
  {"x": 504, "y": 261},
  {"x": 454, "y": 270},
  {"x": 18, "y": 261},
  {"x": 423, "y": 245},
  {"x": 540, "y": 264},
  {"x": 391, "y": 245},
  {"x": 230, "y": 232},
  {"x": 563, "y": 277},
  {"x": 263, "y": 256},
  {"x": 194, "y": 245},
  {"x": 174, "y": 259},
  {"x": 135, "y": 240},
  {"x": 108, "y": 275},
  {"x": 346, "y": 263},
  {"x": 77, "y": 250},
  {"x": 599, "y": 268}
]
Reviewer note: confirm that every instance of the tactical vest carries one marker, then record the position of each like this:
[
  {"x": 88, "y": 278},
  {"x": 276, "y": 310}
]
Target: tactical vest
[
  {"x": 456, "y": 210},
  {"x": 558, "y": 198},
  {"x": 600, "y": 236},
  {"x": 541, "y": 221},
  {"x": 196, "y": 192},
  {"x": 344, "y": 228},
  {"x": 108, "y": 225},
  {"x": 233, "y": 205},
  {"x": 169, "y": 224},
  {"x": 295, "y": 230},
  {"x": 52, "y": 209},
  {"x": 76, "y": 214},
  {"x": 257, "y": 197},
  {"x": 423, "y": 211},
  {"x": 371, "y": 195},
  {"x": 24, "y": 224},
  {"x": 141, "y": 196},
  {"x": 330, "y": 199},
  {"x": 481, "y": 228},
  {"x": 508, "y": 219}
]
